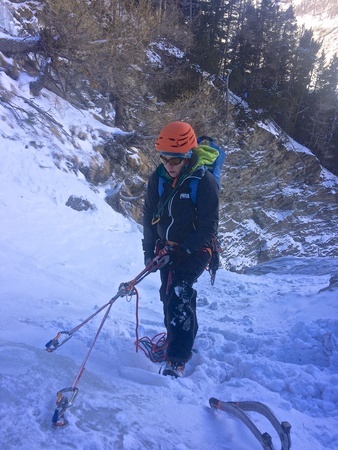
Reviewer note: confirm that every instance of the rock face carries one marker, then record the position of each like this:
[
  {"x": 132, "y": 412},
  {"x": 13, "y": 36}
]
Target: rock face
[
  {"x": 276, "y": 201},
  {"x": 79, "y": 204}
]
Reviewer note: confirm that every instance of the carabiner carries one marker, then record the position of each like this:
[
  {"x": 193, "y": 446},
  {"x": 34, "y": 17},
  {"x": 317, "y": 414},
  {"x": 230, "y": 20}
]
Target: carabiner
[
  {"x": 54, "y": 344},
  {"x": 155, "y": 220},
  {"x": 64, "y": 401},
  {"x": 62, "y": 404}
]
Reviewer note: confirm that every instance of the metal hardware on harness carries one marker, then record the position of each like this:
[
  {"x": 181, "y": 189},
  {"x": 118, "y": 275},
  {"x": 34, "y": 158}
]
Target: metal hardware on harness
[
  {"x": 238, "y": 408},
  {"x": 127, "y": 290},
  {"x": 62, "y": 404}
]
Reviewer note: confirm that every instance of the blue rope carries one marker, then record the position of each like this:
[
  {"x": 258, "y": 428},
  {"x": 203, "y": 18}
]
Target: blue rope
[{"x": 155, "y": 348}]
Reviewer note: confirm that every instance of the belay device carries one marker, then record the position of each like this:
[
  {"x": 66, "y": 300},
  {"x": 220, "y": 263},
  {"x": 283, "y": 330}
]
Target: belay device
[{"x": 66, "y": 396}]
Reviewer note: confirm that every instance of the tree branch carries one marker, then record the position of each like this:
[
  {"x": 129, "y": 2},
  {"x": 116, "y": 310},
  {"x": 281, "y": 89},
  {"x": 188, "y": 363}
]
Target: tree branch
[
  {"x": 36, "y": 85},
  {"x": 10, "y": 45}
]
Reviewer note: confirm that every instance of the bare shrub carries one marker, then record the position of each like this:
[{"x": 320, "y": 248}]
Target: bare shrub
[{"x": 99, "y": 41}]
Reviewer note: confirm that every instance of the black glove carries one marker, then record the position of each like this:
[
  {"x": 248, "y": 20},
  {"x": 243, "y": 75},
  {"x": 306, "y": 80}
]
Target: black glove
[
  {"x": 177, "y": 255},
  {"x": 148, "y": 257}
]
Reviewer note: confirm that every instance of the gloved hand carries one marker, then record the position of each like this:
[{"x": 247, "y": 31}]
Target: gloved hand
[
  {"x": 148, "y": 257},
  {"x": 177, "y": 255}
]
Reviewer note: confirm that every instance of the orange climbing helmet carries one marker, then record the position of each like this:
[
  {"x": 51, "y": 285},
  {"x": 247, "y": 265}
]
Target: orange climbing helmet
[{"x": 176, "y": 137}]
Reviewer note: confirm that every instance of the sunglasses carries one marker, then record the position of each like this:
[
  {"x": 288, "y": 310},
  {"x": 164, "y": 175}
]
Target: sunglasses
[{"x": 172, "y": 161}]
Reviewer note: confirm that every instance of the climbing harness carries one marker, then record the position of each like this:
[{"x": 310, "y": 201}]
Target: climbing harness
[
  {"x": 66, "y": 396},
  {"x": 238, "y": 408}
]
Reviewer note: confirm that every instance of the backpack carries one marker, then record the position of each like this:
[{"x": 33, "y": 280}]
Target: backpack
[{"x": 215, "y": 168}]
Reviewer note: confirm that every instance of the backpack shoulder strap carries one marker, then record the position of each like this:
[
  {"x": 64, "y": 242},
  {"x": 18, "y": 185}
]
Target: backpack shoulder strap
[
  {"x": 193, "y": 185},
  {"x": 161, "y": 186}
]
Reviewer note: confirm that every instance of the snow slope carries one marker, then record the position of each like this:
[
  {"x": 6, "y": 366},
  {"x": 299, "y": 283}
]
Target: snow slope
[{"x": 270, "y": 337}]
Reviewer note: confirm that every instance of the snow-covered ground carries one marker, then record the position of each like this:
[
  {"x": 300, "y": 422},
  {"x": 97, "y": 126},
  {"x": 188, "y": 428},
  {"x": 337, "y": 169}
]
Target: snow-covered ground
[{"x": 270, "y": 337}]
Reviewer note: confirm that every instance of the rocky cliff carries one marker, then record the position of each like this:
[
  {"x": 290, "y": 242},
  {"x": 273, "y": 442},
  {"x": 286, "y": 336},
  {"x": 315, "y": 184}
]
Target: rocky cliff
[{"x": 276, "y": 200}]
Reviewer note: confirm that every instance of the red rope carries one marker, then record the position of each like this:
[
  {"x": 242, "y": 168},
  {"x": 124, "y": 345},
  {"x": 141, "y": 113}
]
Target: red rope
[{"x": 154, "y": 348}]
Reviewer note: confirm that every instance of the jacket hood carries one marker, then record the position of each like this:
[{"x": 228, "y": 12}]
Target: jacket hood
[{"x": 206, "y": 156}]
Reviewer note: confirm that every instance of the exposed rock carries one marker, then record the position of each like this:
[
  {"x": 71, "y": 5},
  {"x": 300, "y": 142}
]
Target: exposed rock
[
  {"x": 276, "y": 202},
  {"x": 79, "y": 203}
]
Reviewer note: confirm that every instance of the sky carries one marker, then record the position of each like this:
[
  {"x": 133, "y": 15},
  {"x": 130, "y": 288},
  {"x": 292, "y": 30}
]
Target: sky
[{"x": 269, "y": 335}]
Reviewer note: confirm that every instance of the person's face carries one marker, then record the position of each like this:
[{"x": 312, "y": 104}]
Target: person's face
[{"x": 173, "y": 166}]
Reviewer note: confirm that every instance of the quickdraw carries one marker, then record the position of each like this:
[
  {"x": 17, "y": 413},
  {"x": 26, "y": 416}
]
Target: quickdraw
[
  {"x": 237, "y": 409},
  {"x": 125, "y": 290}
]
